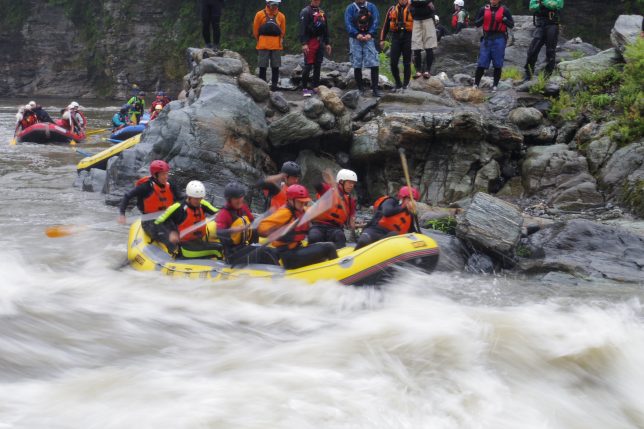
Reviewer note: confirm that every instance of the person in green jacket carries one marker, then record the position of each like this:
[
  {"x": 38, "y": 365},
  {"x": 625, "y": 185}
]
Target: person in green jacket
[
  {"x": 546, "y": 21},
  {"x": 138, "y": 106}
]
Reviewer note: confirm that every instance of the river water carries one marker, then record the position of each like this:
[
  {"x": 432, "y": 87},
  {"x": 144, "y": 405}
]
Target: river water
[{"x": 86, "y": 345}]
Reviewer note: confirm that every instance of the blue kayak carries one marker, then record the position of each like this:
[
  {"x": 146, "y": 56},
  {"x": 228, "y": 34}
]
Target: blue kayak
[{"x": 127, "y": 132}]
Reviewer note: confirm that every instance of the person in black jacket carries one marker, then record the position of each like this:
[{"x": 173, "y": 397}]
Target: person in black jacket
[
  {"x": 314, "y": 37},
  {"x": 495, "y": 20},
  {"x": 400, "y": 23},
  {"x": 211, "y": 17},
  {"x": 546, "y": 21}
]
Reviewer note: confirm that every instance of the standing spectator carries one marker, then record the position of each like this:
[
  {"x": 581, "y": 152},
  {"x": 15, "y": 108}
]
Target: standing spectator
[
  {"x": 460, "y": 17},
  {"x": 269, "y": 28},
  {"x": 400, "y": 23},
  {"x": 546, "y": 21},
  {"x": 495, "y": 20},
  {"x": 314, "y": 37},
  {"x": 423, "y": 36},
  {"x": 211, "y": 18},
  {"x": 361, "y": 20}
]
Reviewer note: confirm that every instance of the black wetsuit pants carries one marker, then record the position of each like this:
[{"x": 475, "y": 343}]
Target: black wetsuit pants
[
  {"x": 303, "y": 256},
  {"x": 210, "y": 18},
  {"x": 321, "y": 233},
  {"x": 545, "y": 34},
  {"x": 401, "y": 45},
  {"x": 371, "y": 234},
  {"x": 251, "y": 254}
]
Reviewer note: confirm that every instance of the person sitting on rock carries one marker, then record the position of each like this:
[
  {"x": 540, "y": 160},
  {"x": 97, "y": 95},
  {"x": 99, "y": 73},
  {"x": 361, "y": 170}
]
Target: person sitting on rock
[
  {"x": 161, "y": 100},
  {"x": 289, "y": 246},
  {"x": 314, "y": 37},
  {"x": 138, "y": 107},
  {"x": 361, "y": 21},
  {"x": 460, "y": 17},
  {"x": 423, "y": 36},
  {"x": 546, "y": 21},
  {"x": 400, "y": 23},
  {"x": 122, "y": 118},
  {"x": 390, "y": 217},
  {"x": 26, "y": 117},
  {"x": 154, "y": 194},
  {"x": 495, "y": 20},
  {"x": 234, "y": 229},
  {"x": 40, "y": 113},
  {"x": 157, "y": 111},
  {"x": 269, "y": 28},
  {"x": 276, "y": 193},
  {"x": 187, "y": 218},
  {"x": 330, "y": 225}
]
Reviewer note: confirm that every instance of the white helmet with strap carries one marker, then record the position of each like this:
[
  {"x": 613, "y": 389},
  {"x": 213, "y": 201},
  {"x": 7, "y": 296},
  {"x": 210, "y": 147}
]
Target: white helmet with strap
[
  {"x": 195, "y": 189},
  {"x": 345, "y": 174},
  {"x": 460, "y": 3}
]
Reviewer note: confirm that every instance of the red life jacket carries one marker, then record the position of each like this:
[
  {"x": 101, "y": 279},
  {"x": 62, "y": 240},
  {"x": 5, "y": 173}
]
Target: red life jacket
[
  {"x": 340, "y": 212},
  {"x": 294, "y": 238},
  {"x": 455, "y": 19},
  {"x": 193, "y": 216},
  {"x": 279, "y": 200},
  {"x": 400, "y": 223},
  {"x": 28, "y": 120},
  {"x": 399, "y": 24},
  {"x": 160, "y": 199},
  {"x": 493, "y": 22}
]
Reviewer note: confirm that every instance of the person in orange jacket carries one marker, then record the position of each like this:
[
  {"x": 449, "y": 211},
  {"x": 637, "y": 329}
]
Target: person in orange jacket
[
  {"x": 289, "y": 246},
  {"x": 269, "y": 28}
]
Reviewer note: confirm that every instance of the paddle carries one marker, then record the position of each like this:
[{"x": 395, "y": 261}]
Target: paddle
[
  {"x": 403, "y": 161},
  {"x": 58, "y": 231},
  {"x": 15, "y": 133},
  {"x": 98, "y": 131}
]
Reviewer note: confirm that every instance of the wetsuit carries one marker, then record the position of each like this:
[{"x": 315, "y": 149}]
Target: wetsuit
[
  {"x": 240, "y": 247},
  {"x": 314, "y": 32},
  {"x": 546, "y": 33},
  {"x": 211, "y": 17},
  {"x": 41, "y": 114},
  {"x": 400, "y": 23}
]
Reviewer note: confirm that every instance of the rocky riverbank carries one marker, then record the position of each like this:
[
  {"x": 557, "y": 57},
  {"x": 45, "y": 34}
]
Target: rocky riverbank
[{"x": 533, "y": 190}]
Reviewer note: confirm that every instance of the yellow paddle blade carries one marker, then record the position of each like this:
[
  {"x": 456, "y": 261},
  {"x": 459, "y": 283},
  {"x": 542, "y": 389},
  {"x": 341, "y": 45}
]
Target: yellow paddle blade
[
  {"x": 93, "y": 132},
  {"x": 58, "y": 231},
  {"x": 73, "y": 142},
  {"x": 13, "y": 142}
]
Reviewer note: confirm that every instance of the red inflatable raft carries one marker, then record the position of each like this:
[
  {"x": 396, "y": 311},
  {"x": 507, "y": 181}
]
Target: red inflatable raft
[{"x": 45, "y": 132}]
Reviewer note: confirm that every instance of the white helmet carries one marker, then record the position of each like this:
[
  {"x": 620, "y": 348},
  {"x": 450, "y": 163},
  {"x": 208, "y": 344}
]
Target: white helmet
[
  {"x": 274, "y": 1},
  {"x": 437, "y": 19},
  {"x": 196, "y": 189},
  {"x": 27, "y": 107},
  {"x": 158, "y": 107},
  {"x": 74, "y": 105},
  {"x": 460, "y": 3},
  {"x": 345, "y": 174},
  {"x": 32, "y": 104}
]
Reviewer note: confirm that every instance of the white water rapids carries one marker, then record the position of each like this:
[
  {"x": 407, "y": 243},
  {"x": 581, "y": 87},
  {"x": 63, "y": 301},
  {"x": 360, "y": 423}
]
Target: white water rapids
[{"x": 83, "y": 345}]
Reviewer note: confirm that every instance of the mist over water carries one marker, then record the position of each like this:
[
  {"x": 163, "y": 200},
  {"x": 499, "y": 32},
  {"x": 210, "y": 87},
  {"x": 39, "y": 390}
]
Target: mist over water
[{"x": 84, "y": 345}]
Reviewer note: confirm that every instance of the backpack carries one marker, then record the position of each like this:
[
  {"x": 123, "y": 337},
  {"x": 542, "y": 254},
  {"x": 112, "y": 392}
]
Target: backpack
[
  {"x": 364, "y": 19},
  {"x": 270, "y": 27}
]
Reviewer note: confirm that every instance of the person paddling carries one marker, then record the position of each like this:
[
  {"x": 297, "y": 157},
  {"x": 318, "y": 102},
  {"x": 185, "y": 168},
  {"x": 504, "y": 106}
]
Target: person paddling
[
  {"x": 274, "y": 187},
  {"x": 391, "y": 217},
  {"x": 40, "y": 113},
  {"x": 122, "y": 118}
]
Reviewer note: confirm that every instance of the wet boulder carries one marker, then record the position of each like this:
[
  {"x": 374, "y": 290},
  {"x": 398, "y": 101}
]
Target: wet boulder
[
  {"x": 623, "y": 177},
  {"x": 256, "y": 87},
  {"x": 626, "y": 30}
]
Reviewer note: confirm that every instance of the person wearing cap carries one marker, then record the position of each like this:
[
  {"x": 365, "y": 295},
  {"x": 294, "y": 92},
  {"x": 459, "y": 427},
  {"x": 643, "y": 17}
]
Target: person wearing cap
[
  {"x": 121, "y": 118},
  {"x": 274, "y": 187},
  {"x": 391, "y": 217},
  {"x": 315, "y": 40},
  {"x": 329, "y": 226},
  {"x": 290, "y": 244},
  {"x": 138, "y": 106},
  {"x": 184, "y": 223},
  {"x": 269, "y": 29},
  {"x": 154, "y": 194},
  {"x": 460, "y": 17},
  {"x": 236, "y": 233}
]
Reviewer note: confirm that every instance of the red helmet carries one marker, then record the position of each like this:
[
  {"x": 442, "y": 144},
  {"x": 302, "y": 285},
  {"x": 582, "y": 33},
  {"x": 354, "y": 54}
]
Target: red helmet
[
  {"x": 297, "y": 192},
  {"x": 404, "y": 193},
  {"x": 159, "y": 166}
]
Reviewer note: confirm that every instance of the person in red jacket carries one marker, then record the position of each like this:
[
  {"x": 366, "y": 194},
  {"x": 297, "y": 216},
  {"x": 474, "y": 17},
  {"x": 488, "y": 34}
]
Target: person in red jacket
[
  {"x": 235, "y": 232},
  {"x": 289, "y": 246},
  {"x": 391, "y": 217}
]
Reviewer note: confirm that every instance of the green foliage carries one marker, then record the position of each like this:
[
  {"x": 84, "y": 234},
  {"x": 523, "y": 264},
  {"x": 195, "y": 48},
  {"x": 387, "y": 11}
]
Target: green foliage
[
  {"x": 14, "y": 14},
  {"x": 445, "y": 225},
  {"x": 540, "y": 86},
  {"x": 630, "y": 96},
  {"x": 563, "y": 107},
  {"x": 512, "y": 73},
  {"x": 523, "y": 251},
  {"x": 575, "y": 55}
]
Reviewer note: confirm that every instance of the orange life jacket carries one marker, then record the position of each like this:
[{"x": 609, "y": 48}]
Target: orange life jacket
[
  {"x": 161, "y": 197},
  {"x": 193, "y": 216},
  {"x": 400, "y": 223},
  {"x": 28, "y": 120},
  {"x": 493, "y": 22},
  {"x": 397, "y": 23},
  {"x": 338, "y": 215},
  {"x": 294, "y": 238},
  {"x": 279, "y": 200}
]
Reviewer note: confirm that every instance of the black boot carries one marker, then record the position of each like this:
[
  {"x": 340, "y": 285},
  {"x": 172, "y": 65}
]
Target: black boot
[
  {"x": 375, "y": 77},
  {"x": 480, "y": 71},
  {"x": 357, "y": 74},
  {"x": 262, "y": 73},
  {"x": 275, "y": 78}
]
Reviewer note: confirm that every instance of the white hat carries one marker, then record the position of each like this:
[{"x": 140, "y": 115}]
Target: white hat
[{"x": 32, "y": 104}]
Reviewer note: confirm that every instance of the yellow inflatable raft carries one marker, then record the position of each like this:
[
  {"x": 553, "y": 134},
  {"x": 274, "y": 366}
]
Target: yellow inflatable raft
[
  {"x": 100, "y": 159},
  {"x": 367, "y": 266}
]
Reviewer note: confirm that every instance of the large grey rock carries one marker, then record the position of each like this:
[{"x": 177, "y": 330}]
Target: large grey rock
[
  {"x": 278, "y": 101},
  {"x": 327, "y": 121},
  {"x": 575, "y": 68},
  {"x": 293, "y": 128},
  {"x": 491, "y": 224},
  {"x": 542, "y": 135},
  {"x": 433, "y": 85},
  {"x": 351, "y": 98},
  {"x": 453, "y": 252},
  {"x": 598, "y": 152},
  {"x": 623, "y": 177},
  {"x": 586, "y": 249},
  {"x": 256, "y": 87},
  {"x": 487, "y": 176},
  {"x": 313, "y": 108},
  {"x": 547, "y": 167},
  {"x": 526, "y": 117},
  {"x": 221, "y": 65},
  {"x": 578, "y": 193},
  {"x": 365, "y": 105},
  {"x": 417, "y": 98},
  {"x": 626, "y": 30}
]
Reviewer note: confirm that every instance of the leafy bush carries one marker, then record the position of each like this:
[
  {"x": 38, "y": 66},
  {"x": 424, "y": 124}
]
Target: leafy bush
[
  {"x": 512, "y": 73},
  {"x": 540, "y": 86},
  {"x": 445, "y": 225}
]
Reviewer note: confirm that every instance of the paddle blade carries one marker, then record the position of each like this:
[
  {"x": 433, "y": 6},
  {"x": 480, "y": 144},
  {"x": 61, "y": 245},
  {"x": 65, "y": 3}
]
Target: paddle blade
[
  {"x": 73, "y": 142},
  {"x": 280, "y": 232},
  {"x": 94, "y": 132},
  {"x": 321, "y": 206},
  {"x": 196, "y": 226},
  {"x": 59, "y": 231},
  {"x": 13, "y": 141}
]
